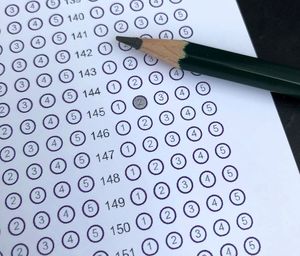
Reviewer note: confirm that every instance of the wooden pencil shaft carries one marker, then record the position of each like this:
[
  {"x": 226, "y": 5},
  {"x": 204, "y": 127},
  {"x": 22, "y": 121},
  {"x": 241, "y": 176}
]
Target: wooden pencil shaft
[
  {"x": 223, "y": 64},
  {"x": 253, "y": 79},
  {"x": 242, "y": 62},
  {"x": 240, "y": 68}
]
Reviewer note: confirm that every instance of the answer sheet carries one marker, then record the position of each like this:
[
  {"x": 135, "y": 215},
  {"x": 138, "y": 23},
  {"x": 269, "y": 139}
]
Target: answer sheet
[{"x": 107, "y": 151}]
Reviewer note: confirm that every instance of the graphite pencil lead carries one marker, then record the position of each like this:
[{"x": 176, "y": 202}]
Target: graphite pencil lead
[
  {"x": 170, "y": 51},
  {"x": 134, "y": 42}
]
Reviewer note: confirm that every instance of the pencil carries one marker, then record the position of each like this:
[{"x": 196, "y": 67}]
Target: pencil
[{"x": 219, "y": 63}]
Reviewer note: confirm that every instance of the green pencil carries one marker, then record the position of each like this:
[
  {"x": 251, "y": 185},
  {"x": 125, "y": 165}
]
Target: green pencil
[{"x": 222, "y": 64}]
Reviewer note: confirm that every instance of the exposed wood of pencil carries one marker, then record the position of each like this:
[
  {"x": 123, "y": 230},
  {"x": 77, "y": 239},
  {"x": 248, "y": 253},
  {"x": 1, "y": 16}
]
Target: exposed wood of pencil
[{"x": 170, "y": 51}]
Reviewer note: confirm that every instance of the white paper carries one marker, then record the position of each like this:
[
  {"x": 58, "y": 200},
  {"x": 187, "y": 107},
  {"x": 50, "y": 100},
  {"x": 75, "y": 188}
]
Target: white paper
[{"x": 267, "y": 173}]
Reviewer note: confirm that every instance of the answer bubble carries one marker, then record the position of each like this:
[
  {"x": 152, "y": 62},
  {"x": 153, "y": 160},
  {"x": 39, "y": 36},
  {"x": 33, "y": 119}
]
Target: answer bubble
[
  {"x": 12, "y": 10},
  {"x": 191, "y": 209},
  {"x": 6, "y": 131},
  {"x": 45, "y": 246},
  {"x": 7, "y": 154},
  {"x": 150, "y": 246},
  {"x": 252, "y": 245},
  {"x": 16, "y": 226},
  {"x": 62, "y": 189},
  {"x": 198, "y": 234},
  {"x": 70, "y": 239},
  {"x": 221, "y": 227},
  {"x": 133, "y": 172},
  {"x": 34, "y": 171},
  {"x": 244, "y": 221},
  {"x": 90, "y": 208},
  {"x": 185, "y": 185},
  {"x": 174, "y": 240},
  {"x": 161, "y": 190},
  {"x": 214, "y": 203},
  {"x": 95, "y": 233},
  {"x": 167, "y": 215},
  {"x": 207, "y": 179},
  {"x": 32, "y": 6},
  {"x": 10, "y": 177},
  {"x": 66, "y": 214},
  {"x": 138, "y": 196},
  {"x": 41, "y": 220},
  {"x": 16, "y": 46},
  {"x": 96, "y": 12},
  {"x": 228, "y": 249},
  {"x": 35, "y": 24},
  {"x": 128, "y": 149},
  {"x": 13, "y": 201},
  {"x": 140, "y": 102},
  {"x": 58, "y": 165},
  {"x": 20, "y": 248},
  {"x": 121, "y": 26},
  {"x": 27, "y": 126},
  {"x": 144, "y": 221},
  {"x": 38, "y": 195},
  {"x": 123, "y": 127},
  {"x": 14, "y": 28},
  {"x": 136, "y": 5}
]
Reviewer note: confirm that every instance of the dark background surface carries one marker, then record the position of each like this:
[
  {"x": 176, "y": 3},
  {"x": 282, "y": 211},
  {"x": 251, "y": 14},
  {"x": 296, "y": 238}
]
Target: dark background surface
[{"x": 274, "y": 28}]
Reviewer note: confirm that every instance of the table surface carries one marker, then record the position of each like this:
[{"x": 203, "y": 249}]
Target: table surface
[{"x": 274, "y": 28}]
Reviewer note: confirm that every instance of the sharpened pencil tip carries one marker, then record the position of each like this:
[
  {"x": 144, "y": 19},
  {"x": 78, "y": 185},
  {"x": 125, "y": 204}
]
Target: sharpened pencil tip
[{"x": 134, "y": 42}]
